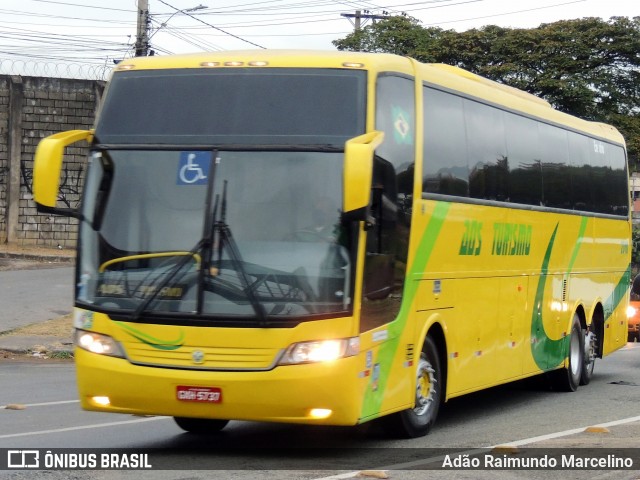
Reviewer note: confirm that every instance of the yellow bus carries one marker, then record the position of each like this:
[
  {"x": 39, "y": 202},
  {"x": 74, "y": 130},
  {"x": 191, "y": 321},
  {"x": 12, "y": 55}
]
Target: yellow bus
[{"x": 332, "y": 238}]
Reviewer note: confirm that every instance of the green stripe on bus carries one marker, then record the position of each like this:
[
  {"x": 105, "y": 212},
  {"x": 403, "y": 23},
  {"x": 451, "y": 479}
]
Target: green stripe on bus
[
  {"x": 545, "y": 350},
  {"x": 373, "y": 398},
  {"x": 154, "y": 342},
  {"x": 619, "y": 293},
  {"x": 576, "y": 248}
]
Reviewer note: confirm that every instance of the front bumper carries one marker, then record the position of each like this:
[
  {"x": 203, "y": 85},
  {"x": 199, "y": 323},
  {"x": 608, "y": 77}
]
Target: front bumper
[{"x": 283, "y": 394}]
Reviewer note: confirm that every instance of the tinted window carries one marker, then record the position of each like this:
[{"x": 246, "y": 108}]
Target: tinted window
[
  {"x": 396, "y": 117},
  {"x": 445, "y": 168},
  {"x": 582, "y": 173},
  {"x": 601, "y": 172},
  {"x": 556, "y": 180},
  {"x": 619, "y": 181},
  {"x": 393, "y": 173},
  {"x": 486, "y": 152},
  {"x": 523, "y": 153},
  {"x": 234, "y": 105}
]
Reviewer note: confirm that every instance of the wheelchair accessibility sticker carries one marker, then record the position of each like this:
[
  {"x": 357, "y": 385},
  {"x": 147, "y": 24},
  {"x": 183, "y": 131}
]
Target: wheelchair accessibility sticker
[{"x": 193, "y": 168}]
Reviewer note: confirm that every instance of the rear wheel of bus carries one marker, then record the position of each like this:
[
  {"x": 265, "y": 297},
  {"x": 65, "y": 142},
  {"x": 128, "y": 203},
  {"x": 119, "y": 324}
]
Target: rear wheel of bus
[
  {"x": 590, "y": 354},
  {"x": 417, "y": 421},
  {"x": 200, "y": 426},
  {"x": 567, "y": 378}
]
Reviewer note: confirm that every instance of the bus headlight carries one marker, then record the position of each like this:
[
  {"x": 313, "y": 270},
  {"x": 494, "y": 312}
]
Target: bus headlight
[
  {"x": 631, "y": 311},
  {"x": 98, "y": 343},
  {"x": 320, "y": 351}
]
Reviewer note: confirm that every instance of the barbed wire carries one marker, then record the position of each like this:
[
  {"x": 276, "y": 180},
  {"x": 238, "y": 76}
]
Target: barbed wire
[{"x": 33, "y": 68}]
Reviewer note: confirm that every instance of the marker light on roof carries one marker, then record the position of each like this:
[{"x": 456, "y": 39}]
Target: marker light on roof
[
  {"x": 353, "y": 64},
  {"x": 258, "y": 63},
  {"x": 234, "y": 63},
  {"x": 209, "y": 64}
]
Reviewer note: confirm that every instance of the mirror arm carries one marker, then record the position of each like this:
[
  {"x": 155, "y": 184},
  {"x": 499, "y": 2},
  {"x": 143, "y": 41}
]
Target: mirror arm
[
  {"x": 65, "y": 212},
  {"x": 370, "y": 222}
]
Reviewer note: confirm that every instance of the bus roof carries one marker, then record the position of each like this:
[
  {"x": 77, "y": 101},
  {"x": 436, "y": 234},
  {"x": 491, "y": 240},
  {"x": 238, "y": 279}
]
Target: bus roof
[
  {"x": 275, "y": 58},
  {"x": 445, "y": 76},
  {"x": 469, "y": 84}
]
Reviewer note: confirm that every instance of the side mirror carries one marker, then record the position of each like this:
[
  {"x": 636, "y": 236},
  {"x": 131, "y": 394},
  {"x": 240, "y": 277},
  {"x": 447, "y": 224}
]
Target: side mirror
[
  {"x": 47, "y": 168},
  {"x": 358, "y": 173}
]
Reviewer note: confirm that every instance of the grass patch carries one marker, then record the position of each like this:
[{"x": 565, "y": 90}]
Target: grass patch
[
  {"x": 61, "y": 355},
  {"x": 58, "y": 327}
]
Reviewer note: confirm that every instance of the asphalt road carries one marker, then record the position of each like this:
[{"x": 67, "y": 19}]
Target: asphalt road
[
  {"x": 523, "y": 411},
  {"x": 40, "y": 292},
  {"x": 52, "y": 419}
]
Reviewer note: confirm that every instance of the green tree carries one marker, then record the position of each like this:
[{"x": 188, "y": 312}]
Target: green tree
[{"x": 586, "y": 67}]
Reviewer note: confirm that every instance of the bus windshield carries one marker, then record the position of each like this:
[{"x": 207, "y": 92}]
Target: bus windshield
[{"x": 219, "y": 234}]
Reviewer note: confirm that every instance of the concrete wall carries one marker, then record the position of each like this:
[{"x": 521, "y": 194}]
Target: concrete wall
[{"x": 32, "y": 108}]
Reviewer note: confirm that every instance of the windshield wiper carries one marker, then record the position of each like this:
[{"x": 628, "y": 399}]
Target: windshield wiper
[
  {"x": 211, "y": 226},
  {"x": 225, "y": 237},
  {"x": 203, "y": 244}
]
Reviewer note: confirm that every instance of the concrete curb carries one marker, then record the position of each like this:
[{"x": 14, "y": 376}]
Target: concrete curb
[
  {"x": 34, "y": 344},
  {"x": 37, "y": 257}
]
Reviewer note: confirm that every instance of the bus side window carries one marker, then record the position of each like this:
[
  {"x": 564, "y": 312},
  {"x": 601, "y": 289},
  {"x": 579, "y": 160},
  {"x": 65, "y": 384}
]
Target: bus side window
[{"x": 382, "y": 290}]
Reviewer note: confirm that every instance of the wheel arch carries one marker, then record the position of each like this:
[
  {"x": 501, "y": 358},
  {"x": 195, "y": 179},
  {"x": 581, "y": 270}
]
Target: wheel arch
[
  {"x": 436, "y": 332},
  {"x": 597, "y": 326},
  {"x": 579, "y": 310}
]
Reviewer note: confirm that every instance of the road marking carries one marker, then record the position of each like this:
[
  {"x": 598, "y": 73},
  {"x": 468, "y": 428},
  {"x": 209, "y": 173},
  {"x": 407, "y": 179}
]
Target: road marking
[
  {"x": 474, "y": 451},
  {"x": 61, "y": 402},
  {"x": 82, "y": 427},
  {"x": 566, "y": 433}
]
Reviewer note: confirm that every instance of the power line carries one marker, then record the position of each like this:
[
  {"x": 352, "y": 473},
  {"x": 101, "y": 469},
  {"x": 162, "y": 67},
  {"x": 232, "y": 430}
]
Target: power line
[
  {"x": 213, "y": 26},
  {"x": 507, "y": 13},
  {"x": 83, "y": 6},
  {"x": 185, "y": 37}
]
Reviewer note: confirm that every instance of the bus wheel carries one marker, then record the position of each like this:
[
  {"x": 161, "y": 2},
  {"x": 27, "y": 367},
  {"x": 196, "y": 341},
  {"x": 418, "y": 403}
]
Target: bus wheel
[
  {"x": 200, "y": 426},
  {"x": 590, "y": 346},
  {"x": 417, "y": 421},
  {"x": 567, "y": 379}
]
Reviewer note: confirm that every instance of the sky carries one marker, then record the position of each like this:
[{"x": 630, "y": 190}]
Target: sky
[{"x": 97, "y": 33}]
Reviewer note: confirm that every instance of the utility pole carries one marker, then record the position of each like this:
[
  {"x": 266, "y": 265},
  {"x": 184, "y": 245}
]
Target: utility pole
[
  {"x": 358, "y": 16},
  {"x": 142, "y": 35}
]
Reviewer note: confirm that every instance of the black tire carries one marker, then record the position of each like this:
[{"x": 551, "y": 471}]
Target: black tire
[
  {"x": 417, "y": 421},
  {"x": 590, "y": 349},
  {"x": 201, "y": 426},
  {"x": 567, "y": 379}
]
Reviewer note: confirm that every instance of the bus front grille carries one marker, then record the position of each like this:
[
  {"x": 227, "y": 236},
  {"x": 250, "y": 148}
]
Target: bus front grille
[{"x": 200, "y": 357}]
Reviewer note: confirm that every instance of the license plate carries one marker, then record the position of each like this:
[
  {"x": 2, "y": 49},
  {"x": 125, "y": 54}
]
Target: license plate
[{"x": 185, "y": 393}]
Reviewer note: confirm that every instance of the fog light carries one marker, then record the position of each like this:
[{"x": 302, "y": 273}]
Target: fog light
[
  {"x": 102, "y": 401},
  {"x": 320, "y": 413}
]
